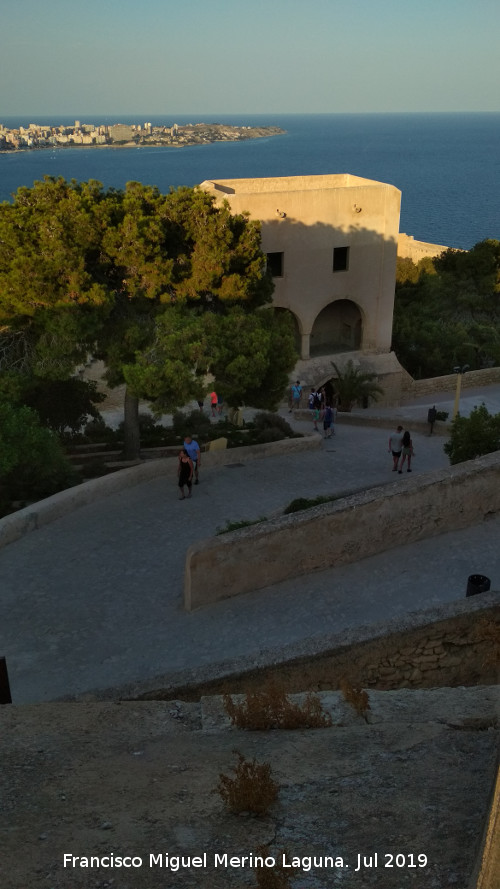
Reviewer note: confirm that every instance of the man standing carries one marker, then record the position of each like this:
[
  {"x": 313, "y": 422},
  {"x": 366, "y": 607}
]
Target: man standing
[
  {"x": 296, "y": 393},
  {"x": 395, "y": 447},
  {"x": 193, "y": 451}
]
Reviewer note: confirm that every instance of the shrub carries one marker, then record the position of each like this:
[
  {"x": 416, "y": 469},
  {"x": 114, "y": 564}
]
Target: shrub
[
  {"x": 357, "y": 697},
  {"x": 252, "y": 789},
  {"x": 32, "y": 461},
  {"x": 94, "y": 468},
  {"x": 235, "y": 526},
  {"x": 352, "y": 385},
  {"x": 473, "y": 436},
  {"x": 306, "y": 503},
  {"x": 64, "y": 404},
  {"x": 266, "y": 420},
  {"x": 196, "y": 423},
  {"x": 151, "y": 432},
  {"x": 271, "y": 708}
]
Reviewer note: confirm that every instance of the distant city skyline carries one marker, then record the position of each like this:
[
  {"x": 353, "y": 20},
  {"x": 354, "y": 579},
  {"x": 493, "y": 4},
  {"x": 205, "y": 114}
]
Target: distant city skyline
[{"x": 114, "y": 57}]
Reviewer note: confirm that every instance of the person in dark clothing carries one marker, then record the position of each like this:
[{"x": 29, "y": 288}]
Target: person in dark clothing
[{"x": 185, "y": 473}]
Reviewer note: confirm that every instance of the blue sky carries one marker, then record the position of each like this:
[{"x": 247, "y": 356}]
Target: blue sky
[{"x": 248, "y": 56}]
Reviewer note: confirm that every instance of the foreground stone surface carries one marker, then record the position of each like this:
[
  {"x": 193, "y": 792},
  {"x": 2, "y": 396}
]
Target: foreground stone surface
[{"x": 138, "y": 779}]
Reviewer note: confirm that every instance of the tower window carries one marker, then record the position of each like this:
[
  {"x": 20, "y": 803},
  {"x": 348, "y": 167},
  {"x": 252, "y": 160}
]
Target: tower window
[
  {"x": 275, "y": 264},
  {"x": 340, "y": 259}
]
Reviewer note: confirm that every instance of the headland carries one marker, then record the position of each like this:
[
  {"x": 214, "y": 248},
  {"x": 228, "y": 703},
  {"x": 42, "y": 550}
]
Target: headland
[{"x": 36, "y": 136}]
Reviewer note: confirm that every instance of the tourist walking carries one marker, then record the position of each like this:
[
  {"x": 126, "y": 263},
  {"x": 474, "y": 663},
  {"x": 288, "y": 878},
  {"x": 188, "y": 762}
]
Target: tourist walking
[
  {"x": 193, "y": 451},
  {"x": 407, "y": 451},
  {"x": 213, "y": 403},
  {"x": 296, "y": 395},
  {"x": 185, "y": 474},
  {"x": 316, "y": 414},
  {"x": 328, "y": 420},
  {"x": 395, "y": 447}
]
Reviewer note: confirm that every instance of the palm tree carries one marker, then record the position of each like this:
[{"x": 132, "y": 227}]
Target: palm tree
[{"x": 353, "y": 385}]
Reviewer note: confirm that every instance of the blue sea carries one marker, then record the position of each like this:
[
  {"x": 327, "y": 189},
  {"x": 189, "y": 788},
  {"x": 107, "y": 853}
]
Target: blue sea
[{"x": 446, "y": 165}]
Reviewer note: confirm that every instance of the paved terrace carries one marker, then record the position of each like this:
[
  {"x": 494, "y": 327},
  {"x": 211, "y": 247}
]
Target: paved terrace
[{"x": 94, "y": 600}]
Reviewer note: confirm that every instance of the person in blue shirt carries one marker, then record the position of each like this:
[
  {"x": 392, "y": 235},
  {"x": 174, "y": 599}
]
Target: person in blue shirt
[
  {"x": 193, "y": 451},
  {"x": 296, "y": 395}
]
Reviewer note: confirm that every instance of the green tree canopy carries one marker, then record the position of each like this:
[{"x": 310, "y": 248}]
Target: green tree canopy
[
  {"x": 164, "y": 288},
  {"x": 449, "y": 314},
  {"x": 473, "y": 436}
]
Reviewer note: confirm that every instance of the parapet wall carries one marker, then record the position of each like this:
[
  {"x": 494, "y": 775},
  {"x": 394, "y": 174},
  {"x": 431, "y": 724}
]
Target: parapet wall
[
  {"x": 342, "y": 531},
  {"x": 488, "y": 376}
]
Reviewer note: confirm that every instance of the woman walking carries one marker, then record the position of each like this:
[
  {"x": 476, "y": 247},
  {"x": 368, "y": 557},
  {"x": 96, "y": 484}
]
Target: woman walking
[
  {"x": 185, "y": 473},
  {"x": 407, "y": 451}
]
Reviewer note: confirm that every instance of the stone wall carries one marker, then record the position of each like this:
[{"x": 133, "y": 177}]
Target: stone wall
[
  {"x": 342, "y": 531},
  {"x": 453, "y": 652},
  {"x": 409, "y": 248},
  {"x": 472, "y": 379},
  {"x": 456, "y": 644}
]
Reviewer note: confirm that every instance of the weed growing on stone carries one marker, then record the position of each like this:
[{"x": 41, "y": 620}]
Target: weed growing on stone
[
  {"x": 235, "y": 526},
  {"x": 271, "y": 708},
  {"x": 356, "y": 696},
  {"x": 252, "y": 789},
  {"x": 301, "y": 503}
]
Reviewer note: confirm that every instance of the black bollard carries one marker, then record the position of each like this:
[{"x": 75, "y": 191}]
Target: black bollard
[
  {"x": 5, "y": 697},
  {"x": 477, "y": 583}
]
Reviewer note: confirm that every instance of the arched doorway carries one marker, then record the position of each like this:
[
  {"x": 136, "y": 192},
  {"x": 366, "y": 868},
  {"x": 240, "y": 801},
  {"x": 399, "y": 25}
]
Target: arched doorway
[{"x": 337, "y": 328}]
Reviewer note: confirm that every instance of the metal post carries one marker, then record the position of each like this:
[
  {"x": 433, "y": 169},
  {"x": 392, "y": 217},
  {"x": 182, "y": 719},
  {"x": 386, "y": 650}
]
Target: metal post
[
  {"x": 5, "y": 696},
  {"x": 459, "y": 372}
]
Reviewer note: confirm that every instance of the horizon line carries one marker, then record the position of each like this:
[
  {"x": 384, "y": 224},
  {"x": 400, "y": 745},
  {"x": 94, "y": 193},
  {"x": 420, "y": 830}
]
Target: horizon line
[{"x": 232, "y": 113}]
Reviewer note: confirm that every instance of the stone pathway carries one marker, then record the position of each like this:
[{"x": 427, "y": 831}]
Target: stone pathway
[{"x": 94, "y": 600}]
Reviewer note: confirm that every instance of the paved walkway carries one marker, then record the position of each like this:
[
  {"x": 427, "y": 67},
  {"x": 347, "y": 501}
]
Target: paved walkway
[{"x": 95, "y": 599}]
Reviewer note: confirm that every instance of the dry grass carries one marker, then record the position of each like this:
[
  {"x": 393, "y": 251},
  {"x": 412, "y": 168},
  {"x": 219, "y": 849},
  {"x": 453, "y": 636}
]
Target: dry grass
[
  {"x": 355, "y": 696},
  {"x": 252, "y": 789},
  {"x": 270, "y": 708}
]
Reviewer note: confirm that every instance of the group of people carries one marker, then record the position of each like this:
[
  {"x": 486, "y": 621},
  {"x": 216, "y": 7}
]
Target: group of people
[
  {"x": 322, "y": 410},
  {"x": 401, "y": 448}
]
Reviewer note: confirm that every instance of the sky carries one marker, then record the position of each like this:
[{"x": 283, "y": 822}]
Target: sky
[{"x": 88, "y": 57}]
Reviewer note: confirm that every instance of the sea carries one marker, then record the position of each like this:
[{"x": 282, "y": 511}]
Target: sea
[{"x": 447, "y": 166}]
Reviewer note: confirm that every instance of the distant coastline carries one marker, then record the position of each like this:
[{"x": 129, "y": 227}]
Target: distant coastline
[{"x": 38, "y": 137}]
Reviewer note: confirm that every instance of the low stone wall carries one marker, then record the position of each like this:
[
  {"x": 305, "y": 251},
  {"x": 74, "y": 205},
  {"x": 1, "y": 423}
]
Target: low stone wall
[
  {"x": 409, "y": 248},
  {"x": 14, "y": 526},
  {"x": 342, "y": 531},
  {"x": 470, "y": 380},
  {"x": 374, "y": 656},
  {"x": 452, "y": 652}
]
